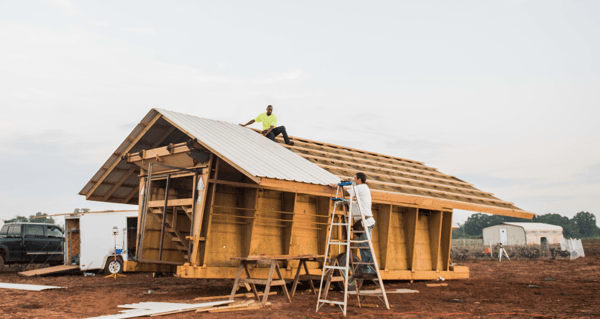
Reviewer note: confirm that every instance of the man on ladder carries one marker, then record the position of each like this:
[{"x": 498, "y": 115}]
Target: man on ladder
[
  {"x": 355, "y": 220},
  {"x": 365, "y": 271}
]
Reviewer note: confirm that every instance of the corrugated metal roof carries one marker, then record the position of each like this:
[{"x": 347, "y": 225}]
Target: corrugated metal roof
[
  {"x": 536, "y": 226},
  {"x": 252, "y": 152}
]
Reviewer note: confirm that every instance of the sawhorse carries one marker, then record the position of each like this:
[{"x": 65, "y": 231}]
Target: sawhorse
[{"x": 274, "y": 268}]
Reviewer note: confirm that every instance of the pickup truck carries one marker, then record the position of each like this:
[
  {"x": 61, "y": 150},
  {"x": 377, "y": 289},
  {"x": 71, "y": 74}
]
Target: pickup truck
[{"x": 31, "y": 243}]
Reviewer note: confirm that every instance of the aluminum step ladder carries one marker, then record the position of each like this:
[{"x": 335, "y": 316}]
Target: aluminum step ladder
[{"x": 343, "y": 221}]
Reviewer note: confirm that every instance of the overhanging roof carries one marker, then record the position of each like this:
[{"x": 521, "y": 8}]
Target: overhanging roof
[{"x": 307, "y": 162}]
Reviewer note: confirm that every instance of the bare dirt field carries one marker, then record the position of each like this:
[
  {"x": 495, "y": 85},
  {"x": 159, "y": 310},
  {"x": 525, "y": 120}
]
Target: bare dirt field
[{"x": 515, "y": 289}]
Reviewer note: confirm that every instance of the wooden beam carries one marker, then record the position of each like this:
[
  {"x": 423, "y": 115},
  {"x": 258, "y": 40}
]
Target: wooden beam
[
  {"x": 353, "y": 161},
  {"x": 289, "y": 205},
  {"x": 444, "y": 204},
  {"x": 118, "y": 160},
  {"x": 376, "y": 161},
  {"x": 249, "y": 236},
  {"x": 446, "y": 240},
  {"x": 494, "y": 200},
  {"x": 243, "y": 171},
  {"x": 171, "y": 202},
  {"x": 130, "y": 195},
  {"x": 345, "y": 149},
  {"x": 411, "y": 218},
  {"x": 384, "y": 226},
  {"x": 435, "y": 233},
  {"x": 213, "y": 192},
  {"x": 199, "y": 212},
  {"x": 120, "y": 182},
  {"x": 411, "y": 180}
]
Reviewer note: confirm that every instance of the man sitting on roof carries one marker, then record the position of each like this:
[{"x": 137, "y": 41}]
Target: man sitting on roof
[
  {"x": 364, "y": 193},
  {"x": 269, "y": 121}
]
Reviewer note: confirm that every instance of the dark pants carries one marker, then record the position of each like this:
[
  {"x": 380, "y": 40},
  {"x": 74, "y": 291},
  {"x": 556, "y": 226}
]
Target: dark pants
[{"x": 276, "y": 131}]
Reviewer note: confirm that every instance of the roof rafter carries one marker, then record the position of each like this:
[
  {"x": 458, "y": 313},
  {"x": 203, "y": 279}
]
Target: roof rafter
[{"x": 115, "y": 163}]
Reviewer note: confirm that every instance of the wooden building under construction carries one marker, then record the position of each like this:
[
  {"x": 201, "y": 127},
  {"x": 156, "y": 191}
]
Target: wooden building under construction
[{"x": 208, "y": 191}]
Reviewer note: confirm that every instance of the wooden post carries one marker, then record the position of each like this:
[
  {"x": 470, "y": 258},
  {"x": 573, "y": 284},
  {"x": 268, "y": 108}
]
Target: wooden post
[
  {"x": 446, "y": 239},
  {"x": 198, "y": 213},
  {"x": 384, "y": 226},
  {"x": 435, "y": 233},
  {"x": 411, "y": 216},
  {"x": 288, "y": 205},
  {"x": 210, "y": 211}
]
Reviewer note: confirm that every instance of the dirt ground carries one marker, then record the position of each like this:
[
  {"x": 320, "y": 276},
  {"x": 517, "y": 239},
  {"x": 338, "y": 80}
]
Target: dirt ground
[{"x": 558, "y": 289}]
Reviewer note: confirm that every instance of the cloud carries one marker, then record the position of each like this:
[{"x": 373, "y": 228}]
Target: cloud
[
  {"x": 148, "y": 31},
  {"x": 66, "y": 6},
  {"x": 293, "y": 74}
]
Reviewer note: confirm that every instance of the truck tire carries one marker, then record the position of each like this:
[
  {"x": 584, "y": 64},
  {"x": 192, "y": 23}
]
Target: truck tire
[
  {"x": 1, "y": 263},
  {"x": 113, "y": 266}
]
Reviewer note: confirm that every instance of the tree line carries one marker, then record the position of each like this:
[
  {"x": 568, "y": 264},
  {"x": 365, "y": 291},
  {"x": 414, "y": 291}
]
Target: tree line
[
  {"x": 40, "y": 217},
  {"x": 582, "y": 225}
]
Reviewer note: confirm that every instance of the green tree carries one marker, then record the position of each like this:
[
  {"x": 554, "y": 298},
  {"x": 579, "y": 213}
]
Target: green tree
[
  {"x": 586, "y": 224},
  {"x": 570, "y": 229},
  {"x": 18, "y": 219},
  {"x": 41, "y": 218}
]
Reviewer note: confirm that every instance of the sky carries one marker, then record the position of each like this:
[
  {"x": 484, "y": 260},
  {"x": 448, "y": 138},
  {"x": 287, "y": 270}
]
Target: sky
[{"x": 502, "y": 94}]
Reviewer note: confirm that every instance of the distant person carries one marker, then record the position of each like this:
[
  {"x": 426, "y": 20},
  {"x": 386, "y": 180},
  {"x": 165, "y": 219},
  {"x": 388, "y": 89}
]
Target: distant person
[{"x": 270, "y": 128}]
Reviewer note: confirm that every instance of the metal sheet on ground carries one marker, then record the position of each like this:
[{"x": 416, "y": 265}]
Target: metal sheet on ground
[
  {"x": 27, "y": 287},
  {"x": 157, "y": 308}
]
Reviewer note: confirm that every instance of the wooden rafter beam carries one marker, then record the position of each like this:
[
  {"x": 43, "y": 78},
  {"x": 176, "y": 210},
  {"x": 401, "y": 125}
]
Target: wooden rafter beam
[
  {"x": 320, "y": 160},
  {"x": 120, "y": 182},
  {"x": 410, "y": 180},
  {"x": 351, "y": 159},
  {"x": 118, "y": 159},
  {"x": 348, "y": 149},
  {"x": 436, "y": 191}
]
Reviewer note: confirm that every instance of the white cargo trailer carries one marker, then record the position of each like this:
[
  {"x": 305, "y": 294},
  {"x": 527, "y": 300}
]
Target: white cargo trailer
[{"x": 90, "y": 240}]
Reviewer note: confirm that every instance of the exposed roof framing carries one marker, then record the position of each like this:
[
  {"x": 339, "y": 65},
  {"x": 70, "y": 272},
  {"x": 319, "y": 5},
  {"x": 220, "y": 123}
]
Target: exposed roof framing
[
  {"x": 398, "y": 177},
  {"x": 302, "y": 167}
]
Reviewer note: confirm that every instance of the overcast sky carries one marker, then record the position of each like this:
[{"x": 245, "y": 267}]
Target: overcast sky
[{"x": 502, "y": 94}]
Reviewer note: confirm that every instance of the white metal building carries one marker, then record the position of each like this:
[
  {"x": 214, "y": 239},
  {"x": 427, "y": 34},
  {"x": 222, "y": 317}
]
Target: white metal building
[{"x": 522, "y": 234}]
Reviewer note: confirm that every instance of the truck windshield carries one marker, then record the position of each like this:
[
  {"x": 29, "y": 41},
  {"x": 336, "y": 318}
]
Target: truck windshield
[
  {"x": 54, "y": 232},
  {"x": 4, "y": 230}
]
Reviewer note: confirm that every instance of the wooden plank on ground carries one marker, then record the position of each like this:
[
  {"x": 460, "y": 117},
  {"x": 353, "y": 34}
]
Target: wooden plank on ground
[
  {"x": 377, "y": 291},
  {"x": 244, "y": 295},
  {"x": 437, "y": 285},
  {"x": 48, "y": 270}
]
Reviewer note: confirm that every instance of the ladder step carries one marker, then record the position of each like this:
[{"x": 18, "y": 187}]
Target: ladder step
[
  {"x": 338, "y": 242},
  {"x": 340, "y": 224},
  {"x": 336, "y": 267},
  {"x": 359, "y": 241},
  {"x": 341, "y": 303},
  {"x": 336, "y": 199}
]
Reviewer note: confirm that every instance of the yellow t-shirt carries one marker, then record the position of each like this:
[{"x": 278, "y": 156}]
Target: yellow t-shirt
[{"x": 267, "y": 120}]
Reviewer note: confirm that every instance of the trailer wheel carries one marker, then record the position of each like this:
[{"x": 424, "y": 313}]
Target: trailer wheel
[
  {"x": 113, "y": 266},
  {"x": 1, "y": 262}
]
